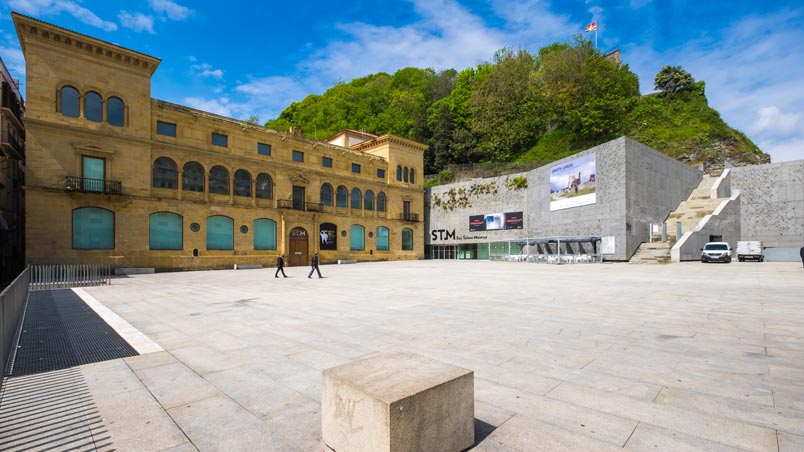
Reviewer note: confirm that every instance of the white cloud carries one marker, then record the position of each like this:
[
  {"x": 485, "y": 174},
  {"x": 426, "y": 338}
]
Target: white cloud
[
  {"x": 54, "y": 7},
  {"x": 206, "y": 70},
  {"x": 748, "y": 68},
  {"x": 137, "y": 21},
  {"x": 171, "y": 9},
  {"x": 217, "y": 106},
  {"x": 772, "y": 119}
]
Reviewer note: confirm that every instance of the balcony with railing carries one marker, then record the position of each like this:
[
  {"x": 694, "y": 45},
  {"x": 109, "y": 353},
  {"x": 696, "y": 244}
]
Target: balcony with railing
[
  {"x": 13, "y": 145},
  {"x": 299, "y": 205},
  {"x": 407, "y": 216},
  {"x": 84, "y": 184}
]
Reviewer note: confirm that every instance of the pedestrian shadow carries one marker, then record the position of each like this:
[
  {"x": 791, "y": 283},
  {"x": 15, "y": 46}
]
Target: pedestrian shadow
[{"x": 51, "y": 411}]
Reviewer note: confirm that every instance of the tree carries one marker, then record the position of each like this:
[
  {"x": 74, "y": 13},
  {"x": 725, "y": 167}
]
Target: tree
[
  {"x": 253, "y": 119},
  {"x": 673, "y": 79},
  {"x": 504, "y": 112}
]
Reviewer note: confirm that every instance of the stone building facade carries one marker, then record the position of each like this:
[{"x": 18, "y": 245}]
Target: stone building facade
[
  {"x": 12, "y": 173},
  {"x": 117, "y": 177}
]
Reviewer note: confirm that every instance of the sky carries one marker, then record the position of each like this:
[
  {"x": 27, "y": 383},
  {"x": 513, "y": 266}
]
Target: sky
[{"x": 245, "y": 57}]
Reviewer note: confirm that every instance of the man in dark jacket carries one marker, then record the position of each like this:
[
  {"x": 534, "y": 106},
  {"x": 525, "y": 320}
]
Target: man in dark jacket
[
  {"x": 314, "y": 266},
  {"x": 280, "y": 266},
  {"x": 801, "y": 253}
]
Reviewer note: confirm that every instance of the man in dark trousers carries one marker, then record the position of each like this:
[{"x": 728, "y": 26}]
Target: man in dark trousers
[
  {"x": 314, "y": 266},
  {"x": 280, "y": 266},
  {"x": 801, "y": 253}
]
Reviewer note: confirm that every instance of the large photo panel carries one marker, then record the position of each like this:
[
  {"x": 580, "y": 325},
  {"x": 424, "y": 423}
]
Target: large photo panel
[{"x": 572, "y": 183}]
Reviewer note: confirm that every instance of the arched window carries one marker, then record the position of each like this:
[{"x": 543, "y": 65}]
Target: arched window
[
  {"x": 264, "y": 234},
  {"x": 356, "y": 242},
  {"x": 412, "y": 179},
  {"x": 398, "y": 173},
  {"x": 165, "y": 231},
  {"x": 368, "y": 201},
  {"x": 220, "y": 233},
  {"x": 242, "y": 183},
  {"x": 166, "y": 174},
  {"x": 381, "y": 202},
  {"x": 192, "y": 177},
  {"x": 356, "y": 199},
  {"x": 265, "y": 186},
  {"x": 93, "y": 229},
  {"x": 219, "y": 180},
  {"x": 326, "y": 194},
  {"x": 341, "y": 197},
  {"x": 93, "y": 107},
  {"x": 382, "y": 238},
  {"x": 407, "y": 239},
  {"x": 406, "y": 174},
  {"x": 115, "y": 111},
  {"x": 69, "y": 102}
]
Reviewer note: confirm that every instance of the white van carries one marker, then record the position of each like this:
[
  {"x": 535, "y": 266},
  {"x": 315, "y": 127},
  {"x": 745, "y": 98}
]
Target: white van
[{"x": 716, "y": 252}]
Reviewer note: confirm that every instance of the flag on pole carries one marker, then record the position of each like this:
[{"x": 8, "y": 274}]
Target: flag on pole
[{"x": 591, "y": 27}]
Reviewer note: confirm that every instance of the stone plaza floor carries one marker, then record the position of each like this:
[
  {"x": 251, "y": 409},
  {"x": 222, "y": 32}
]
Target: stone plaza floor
[{"x": 594, "y": 357}]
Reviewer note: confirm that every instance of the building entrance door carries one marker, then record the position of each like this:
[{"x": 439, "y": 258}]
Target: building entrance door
[{"x": 298, "y": 247}]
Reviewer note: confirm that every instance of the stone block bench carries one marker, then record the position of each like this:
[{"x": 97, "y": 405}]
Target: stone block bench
[
  {"x": 398, "y": 402},
  {"x": 247, "y": 266}
]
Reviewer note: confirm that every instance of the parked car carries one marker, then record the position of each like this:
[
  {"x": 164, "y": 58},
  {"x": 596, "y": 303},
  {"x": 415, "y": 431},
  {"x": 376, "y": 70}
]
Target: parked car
[
  {"x": 750, "y": 250},
  {"x": 716, "y": 252}
]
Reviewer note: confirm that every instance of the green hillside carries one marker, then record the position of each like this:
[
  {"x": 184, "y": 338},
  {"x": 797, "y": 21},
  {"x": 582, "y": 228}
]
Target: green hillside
[{"x": 521, "y": 107}]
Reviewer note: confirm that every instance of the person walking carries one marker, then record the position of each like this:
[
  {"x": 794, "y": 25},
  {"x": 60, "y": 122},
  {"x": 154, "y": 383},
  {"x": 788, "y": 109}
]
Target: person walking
[
  {"x": 801, "y": 253},
  {"x": 314, "y": 266},
  {"x": 280, "y": 266}
]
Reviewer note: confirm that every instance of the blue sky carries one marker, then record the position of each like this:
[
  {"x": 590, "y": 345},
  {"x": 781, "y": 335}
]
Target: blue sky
[{"x": 239, "y": 57}]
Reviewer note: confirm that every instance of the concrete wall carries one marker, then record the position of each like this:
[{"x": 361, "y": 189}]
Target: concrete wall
[
  {"x": 772, "y": 204},
  {"x": 724, "y": 221},
  {"x": 656, "y": 185},
  {"x": 461, "y": 200},
  {"x": 635, "y": 185}
]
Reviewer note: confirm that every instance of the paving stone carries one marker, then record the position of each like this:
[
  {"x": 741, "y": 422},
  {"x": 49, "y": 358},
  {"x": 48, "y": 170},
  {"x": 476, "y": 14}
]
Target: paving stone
[
  {"x": 573, "y": 418},
  {"x": 790, "y": 443},
  {"x": 175, "y": 384},
  {"x": 649, "y": 438},
  {"x": 219, "y": 424},
  {"x": 529, "y": 435},
  {"x": 712, "y": 428},
  {"x": 791, "y": 421}
]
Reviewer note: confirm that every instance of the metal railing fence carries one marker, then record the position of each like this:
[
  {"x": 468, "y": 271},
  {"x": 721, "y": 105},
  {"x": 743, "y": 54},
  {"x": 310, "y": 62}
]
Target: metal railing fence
[
  {"x": 12, "y": 305},
  {"x": 47, "y": 277}
]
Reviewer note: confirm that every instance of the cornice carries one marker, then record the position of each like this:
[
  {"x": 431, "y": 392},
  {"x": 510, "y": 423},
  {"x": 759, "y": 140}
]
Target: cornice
[
  {"x": 391, "y": 139},
  {"x": 29, "y": 29}
]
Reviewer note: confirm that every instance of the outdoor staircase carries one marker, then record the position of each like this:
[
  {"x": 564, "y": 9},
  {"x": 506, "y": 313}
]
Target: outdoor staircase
[
  {"x": 652, "y": 253},
  {"x": 689, "y": 213}
]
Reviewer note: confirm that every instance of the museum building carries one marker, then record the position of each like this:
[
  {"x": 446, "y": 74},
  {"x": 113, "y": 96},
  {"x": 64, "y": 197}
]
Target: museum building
[
  {"x": 116, "y": 177},
  {"x": 619, "y": 201}
]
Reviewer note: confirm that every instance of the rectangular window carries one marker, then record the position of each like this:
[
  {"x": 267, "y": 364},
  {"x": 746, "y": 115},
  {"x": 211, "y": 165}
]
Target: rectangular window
[
  {"x": 356, "y": 168},
  {"x": 263, "y": 149},
  {"x": 167, "y": 129},
  {"x": 219, "y": 139},
  {"x": 94, "y": 174},
  {"x": 326, "y": 162},
  {"x": 380, "y": 173},
  {"x": 298, "y": 156}
]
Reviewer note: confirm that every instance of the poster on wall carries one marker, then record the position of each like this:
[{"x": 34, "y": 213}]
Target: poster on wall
[
  {"x": 495, "y": 221},
  {"x": 572, "y": 183},
  {"x": 329, "y": 237},
  {"x": 477, "y": 223},
  {"x": 513, "y": 220}
]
